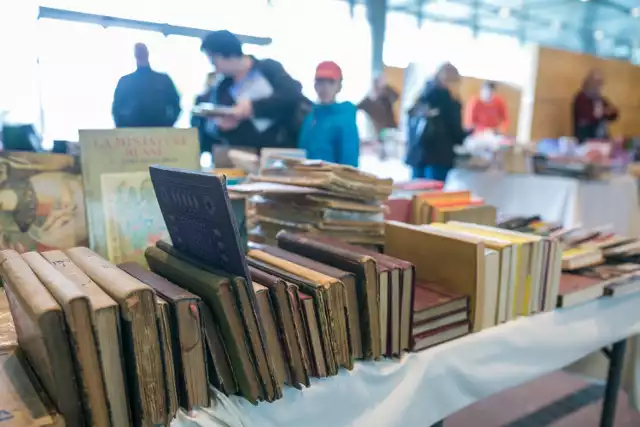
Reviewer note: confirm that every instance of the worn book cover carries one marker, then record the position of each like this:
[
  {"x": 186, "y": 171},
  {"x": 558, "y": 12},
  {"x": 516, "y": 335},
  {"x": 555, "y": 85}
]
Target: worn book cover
[
  {"x": 132, "y": 217},
  {"x": 129, "y": 150},
  {"x": 41, "y": 202},
  {"x": 42, "y": 335}
]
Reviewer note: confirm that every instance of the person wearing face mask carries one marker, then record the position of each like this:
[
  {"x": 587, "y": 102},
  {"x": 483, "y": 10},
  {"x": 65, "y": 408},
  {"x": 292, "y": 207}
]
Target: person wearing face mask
[
  {"x": 592, "y": 112},
  {"x": 435, "y": 126},
  {"x": 487, "y": 112},
  {"x": 330, "y": 132},
  {"x": 267, "y": 105}
]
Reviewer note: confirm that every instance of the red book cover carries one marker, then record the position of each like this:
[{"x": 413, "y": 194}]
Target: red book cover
[
  {"x": 430, "y": 295},
  {"x": 576, "y": 289},
  {"x": 398, "y": 210}
]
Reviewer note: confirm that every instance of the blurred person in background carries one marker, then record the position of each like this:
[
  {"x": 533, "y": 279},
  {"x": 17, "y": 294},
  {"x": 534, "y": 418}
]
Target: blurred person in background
[
  {"x": 268, "y": 105},
  {"x": 145, "y": 98},
  {"x": 487, "y": 111},
  {"x": 592, "y": 112},
  {"x": 330, "y": 132},
  {"x": 435, "y": 126},
  {"x": 207, "y": 132},
  {"x": 378, "y": 105}
]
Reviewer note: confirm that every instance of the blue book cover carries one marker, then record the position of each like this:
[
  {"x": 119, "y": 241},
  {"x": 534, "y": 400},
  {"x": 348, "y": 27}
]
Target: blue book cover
[{"x": 200, "y": 219}]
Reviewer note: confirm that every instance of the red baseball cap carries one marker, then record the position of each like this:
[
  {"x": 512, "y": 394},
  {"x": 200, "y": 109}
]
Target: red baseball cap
[{"x": 328, "y": 70}]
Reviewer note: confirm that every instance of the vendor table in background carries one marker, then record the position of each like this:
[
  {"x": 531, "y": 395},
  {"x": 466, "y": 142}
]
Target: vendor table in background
[
  {"x": 558, "y": 199},
  {"x": 423, "y": 388}
]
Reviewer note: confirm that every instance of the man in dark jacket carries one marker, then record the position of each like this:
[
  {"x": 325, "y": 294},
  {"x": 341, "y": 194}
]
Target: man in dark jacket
[
  {"x": 266, "y": 100},
  {"x": 436, "y": 127},
  {"x": 145, "y": 98}
]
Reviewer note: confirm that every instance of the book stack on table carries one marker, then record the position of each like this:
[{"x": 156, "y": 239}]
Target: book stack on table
[
  {"x": 595, "y": 262},
  {"x": 320, "y": 198}
]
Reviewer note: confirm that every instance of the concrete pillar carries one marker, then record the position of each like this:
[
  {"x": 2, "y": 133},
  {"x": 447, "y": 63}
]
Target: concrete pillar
[{"x": 377, "y": 14}]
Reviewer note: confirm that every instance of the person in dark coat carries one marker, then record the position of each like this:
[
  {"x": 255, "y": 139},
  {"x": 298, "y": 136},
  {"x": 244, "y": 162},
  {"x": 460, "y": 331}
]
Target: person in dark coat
[
  {"x": 435, "y": 127},
  {"x": 145, "y": 98},
  {"x": 592, "y": 112},
  {"x": 266, "y": 100}
]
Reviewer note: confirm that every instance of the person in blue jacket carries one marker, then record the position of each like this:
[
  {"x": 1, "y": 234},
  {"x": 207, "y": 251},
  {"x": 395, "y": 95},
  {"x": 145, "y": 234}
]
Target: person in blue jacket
[{"x": 329, "y": 131}]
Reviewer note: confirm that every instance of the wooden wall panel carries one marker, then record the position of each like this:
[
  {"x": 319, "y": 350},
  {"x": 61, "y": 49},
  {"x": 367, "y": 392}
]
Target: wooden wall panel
[{"x": 558, "y": 77}]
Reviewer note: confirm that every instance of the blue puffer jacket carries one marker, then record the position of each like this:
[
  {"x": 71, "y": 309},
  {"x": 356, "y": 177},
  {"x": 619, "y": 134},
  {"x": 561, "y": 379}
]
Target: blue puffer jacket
[{"x": 330, "y": 133}]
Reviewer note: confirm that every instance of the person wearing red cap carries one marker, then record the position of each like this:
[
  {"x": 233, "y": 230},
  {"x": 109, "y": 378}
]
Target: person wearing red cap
[{"x": 329, "y": 131}]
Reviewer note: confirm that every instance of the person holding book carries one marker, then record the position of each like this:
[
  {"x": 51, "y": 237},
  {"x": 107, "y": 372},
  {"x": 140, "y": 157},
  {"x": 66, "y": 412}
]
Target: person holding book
[
  {"x": 330, "y": 132},
  {"x": 265, "y": 100},
  {"x": 592, "y": 112},
  {"x": 435, "y": 126},
  {"x": 487, "y": 112},
  {"x": 145, "y": 98}
]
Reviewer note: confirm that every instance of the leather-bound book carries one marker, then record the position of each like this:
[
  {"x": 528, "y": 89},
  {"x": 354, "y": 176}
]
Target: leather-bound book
[
  {"x": 219, "y": 369},
  {"x": 139, "y": 333},
  {"x": 432, "y": 301},
  {"x": 186, "y": 339},
  {"x": 352, "y": 318},
  {"x": 283, "y": 298},
  {"x": 106, "y": 315},
  {"x": 22, "y": 402},
  {"x": 441, "y": 335},
  {"x": 274, "y": 347},
  {"x": 248, "y": 313},
  {"x": 168, "y": 360},
  {"x": 314, "y": 341},
  {"x": 575, "y": 289},
  {"x": 365, "y": 270},
  {"x": 217, "y": 293},
  {"x": 42, "y": 335},
  {"x": 79, "y": 319},
  {"x": 328, "y": 294}
]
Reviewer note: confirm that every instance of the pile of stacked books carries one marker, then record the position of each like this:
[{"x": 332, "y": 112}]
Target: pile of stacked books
[
  {"x": 318, "y": 198},
  {"x": 504, "y": 274},
  {"x": 595, "y": 262},
  {"x": 440, "y": 206}
]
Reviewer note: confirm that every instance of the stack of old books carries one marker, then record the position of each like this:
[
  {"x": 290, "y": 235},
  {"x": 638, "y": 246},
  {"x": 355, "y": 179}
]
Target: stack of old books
[
  {"x": 440, "y": 206},
  {"x": 318, "y": 198},
  {"x": 505, "y": 274},
  {"x": 595, "y": 261}
]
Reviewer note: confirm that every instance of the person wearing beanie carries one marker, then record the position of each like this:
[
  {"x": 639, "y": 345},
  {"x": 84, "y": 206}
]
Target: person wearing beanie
[
  {"x": 330, "y": 132},
  {"x": 266, "y": 101}
]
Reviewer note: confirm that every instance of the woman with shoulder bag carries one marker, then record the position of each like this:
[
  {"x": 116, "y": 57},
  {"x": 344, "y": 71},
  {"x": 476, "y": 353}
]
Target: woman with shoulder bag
[{"x": 435, "y": 127}]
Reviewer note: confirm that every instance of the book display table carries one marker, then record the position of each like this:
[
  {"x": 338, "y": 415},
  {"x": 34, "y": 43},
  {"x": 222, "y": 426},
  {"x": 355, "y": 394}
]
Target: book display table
[
  {"x": 424, "y": 388},
  {"x": 558, "y": 199}
]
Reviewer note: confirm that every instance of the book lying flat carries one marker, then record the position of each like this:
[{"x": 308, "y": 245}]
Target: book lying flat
[
  {"x": 22, "y": 402},
  {"x": 575, "y": 289},
  {"x": 432, "y": 301},
  {"x": 186, "y": 340},
  {"x": 139, "y": 332},
  {"x": 441, "y": 335},
  {"x": 42, "y": 335},
  {"x": 217, "y": 293},
  {"x": 106, "y": 316},
  {"x": 79, "y": 319}
]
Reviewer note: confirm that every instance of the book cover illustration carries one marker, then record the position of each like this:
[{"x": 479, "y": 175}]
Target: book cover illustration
[
  {"x": 124, "y": 151},
  {"x": 41, "y": 202},
  {"x": 133, "y": 220}
]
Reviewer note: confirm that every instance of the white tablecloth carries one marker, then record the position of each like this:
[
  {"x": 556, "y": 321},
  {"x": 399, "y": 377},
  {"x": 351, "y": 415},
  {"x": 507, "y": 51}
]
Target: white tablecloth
[
  {"x": 426, "y": 387},
  {"x": 565, "y": 200}
]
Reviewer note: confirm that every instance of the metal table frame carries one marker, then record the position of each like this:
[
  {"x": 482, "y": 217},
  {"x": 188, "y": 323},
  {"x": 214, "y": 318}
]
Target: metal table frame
[{"x": 615, "y": 354}]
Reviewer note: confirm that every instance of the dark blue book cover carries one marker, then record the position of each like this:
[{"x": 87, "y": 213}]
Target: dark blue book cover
[{"x": 200, "y": 219}]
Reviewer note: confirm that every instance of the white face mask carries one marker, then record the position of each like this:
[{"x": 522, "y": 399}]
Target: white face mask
[{"x": 486, "y": 94}]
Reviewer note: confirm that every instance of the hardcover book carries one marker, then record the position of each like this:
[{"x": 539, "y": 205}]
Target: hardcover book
[
  {"x": 139, "y": 334},
  {"x": 123, "y": 151},
  {"x": 42, "y": 335},
  {"x": 41, "y": 202},
  {"x": 79, "y": 320},
  {"x": 187, "y": 341},
  {"x": 107, "y": 329}
]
